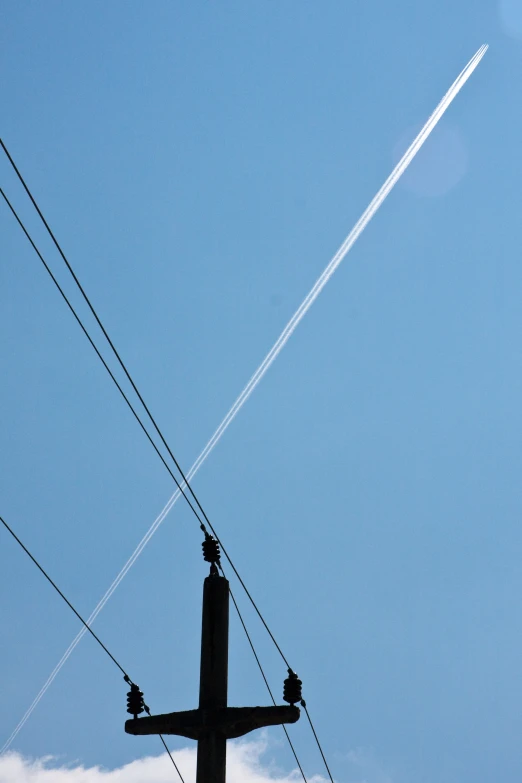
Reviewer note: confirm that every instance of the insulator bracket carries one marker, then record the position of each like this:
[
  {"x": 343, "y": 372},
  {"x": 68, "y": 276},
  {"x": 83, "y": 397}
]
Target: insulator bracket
[
  {"x": 135, "y": 703},
  {"x": 292, "y": 689},
  {"x": 211, "y": 551}
]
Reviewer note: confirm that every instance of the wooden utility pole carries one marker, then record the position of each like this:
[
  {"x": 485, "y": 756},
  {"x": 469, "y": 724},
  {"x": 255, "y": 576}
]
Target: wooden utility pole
[{"x": 214, "y": 721}]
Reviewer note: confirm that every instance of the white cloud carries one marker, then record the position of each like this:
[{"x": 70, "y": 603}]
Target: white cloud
[{"x": 246, "y": 763}]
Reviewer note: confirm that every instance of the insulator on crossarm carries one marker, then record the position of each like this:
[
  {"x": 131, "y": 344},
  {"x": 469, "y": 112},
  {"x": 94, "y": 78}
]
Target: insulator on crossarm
[
  {"x": 211, "y": 551},
  {"x": 135, "y": 704},
  {"x": 292, "y": 690}
]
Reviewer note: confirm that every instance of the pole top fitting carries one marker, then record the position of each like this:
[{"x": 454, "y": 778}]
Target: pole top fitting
[{"x": 211, "y": 553}]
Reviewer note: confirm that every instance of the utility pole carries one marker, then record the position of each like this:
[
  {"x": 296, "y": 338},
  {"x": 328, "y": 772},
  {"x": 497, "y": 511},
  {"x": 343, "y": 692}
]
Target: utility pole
[{"x": 214, "y": 721}]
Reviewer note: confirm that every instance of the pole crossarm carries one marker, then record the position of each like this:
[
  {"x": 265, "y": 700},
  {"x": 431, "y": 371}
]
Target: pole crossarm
[
  {"x": 228, "y": 722},
  {"x": 214, "y": 722}
]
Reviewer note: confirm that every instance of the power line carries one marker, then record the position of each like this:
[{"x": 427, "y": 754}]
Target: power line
[
  {"x": 303, "y": 704},
  {"x": 69, "y": 604},
  {"x": 162, "y": 738},
  {"x": 144, "y": 429},
  {"x": 185, "y": 481},
  {"x": 265, "y": 679},
  {"x": 110, "y": 342},
  {"x": 346, "y": 246},
  {"x": 138, "y": 419},
  {"x": 87, "y": 626},
  {"x": 321, "y": 282},
  {"x": 126, "y": 676},
  {"x": 93, "y": 345}
]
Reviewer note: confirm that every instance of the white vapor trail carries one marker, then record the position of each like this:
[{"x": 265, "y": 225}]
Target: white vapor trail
[{"x": 271, "y": 356}]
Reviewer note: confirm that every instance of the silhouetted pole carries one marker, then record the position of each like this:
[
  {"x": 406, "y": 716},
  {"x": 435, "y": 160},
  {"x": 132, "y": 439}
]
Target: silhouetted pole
[
  {"x": 214, "y": 721},
  {"x": 213, "y": 682}
]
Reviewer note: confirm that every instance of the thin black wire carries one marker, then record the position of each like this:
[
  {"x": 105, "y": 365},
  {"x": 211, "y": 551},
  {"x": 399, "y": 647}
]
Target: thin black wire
[
  {"x": 126, "y": 676},
  {"x": 265, "y": 679},
  {"x": 171, "y": 758},
  {"x": 129, "y": 404},
  {"x": 91, "y": 341},
  {"x": 303, "y": 703},
  {"x": 146, "y": 408},
  {"x": 105, "y": 333},
  {"x": 87, "y": 626},
  {"x": 254, "y": 604},
  {"x": 69, "y": 604},
  {"x": 136, "y": 416},
  {"x": 136, "y": 390}
]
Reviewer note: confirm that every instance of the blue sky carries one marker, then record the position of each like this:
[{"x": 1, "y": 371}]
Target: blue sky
[{"x": 200, "y": 164}]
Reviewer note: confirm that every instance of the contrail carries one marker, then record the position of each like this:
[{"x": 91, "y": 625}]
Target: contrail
[{"x": 271, "y": 356}]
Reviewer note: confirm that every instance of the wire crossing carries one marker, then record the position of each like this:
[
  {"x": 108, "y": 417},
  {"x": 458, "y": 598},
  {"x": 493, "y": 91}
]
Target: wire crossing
[
  {"x": 95, "y": 348},
  {"x": 128, "y": 679},
  {"x": 122, "y": 364},
  {"x": 332, "y": 266},
  {"x": 335, "y": 262},
  {"x": 184, "y": 484},
  {"x": 181, "y": 486}
]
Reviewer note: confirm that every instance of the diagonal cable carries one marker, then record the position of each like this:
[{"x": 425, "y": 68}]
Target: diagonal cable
[
  {"x": 122, "y": 364},
  {"x": 171, "y": 757},
  {"x": 300, "y": 313},
  {"x": 332, "y": 266},
  {"x": 348, "y": 243},
  {"x": 94, "y": 347},
  {"x": 64, "y": 598},
  {"x": 84, "y": 623},
  {"x": 265, "y": 679},
  {"x": 132, "y": 559},
  {"x": 184, "y": 484},
  {"x": 303, "y": 704}
]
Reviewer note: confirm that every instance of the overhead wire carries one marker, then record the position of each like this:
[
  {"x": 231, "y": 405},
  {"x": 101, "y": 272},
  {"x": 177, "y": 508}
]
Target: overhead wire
[
  {"x": 359, "y": 227},
  {"x": 138, "y": 419},
  {"x": 363, "y": 221},
  {"x": 171, "y": 757},
  {"x": 126, "y": 677},
  {"x": 88, "y": 628},
  {"x": 140, "y": 547},
  {"x": 303, "y": 702},
  {"x": 129, "y": 404},
  {"x": 95, "y": 348},
  {"x": 180, "y": 485},
  {"x": 144, "y": 429},
  {"x": 185, "y": 481},
  {"x": 250, "y": 642},
  {"x": 69, "y": 604}
]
